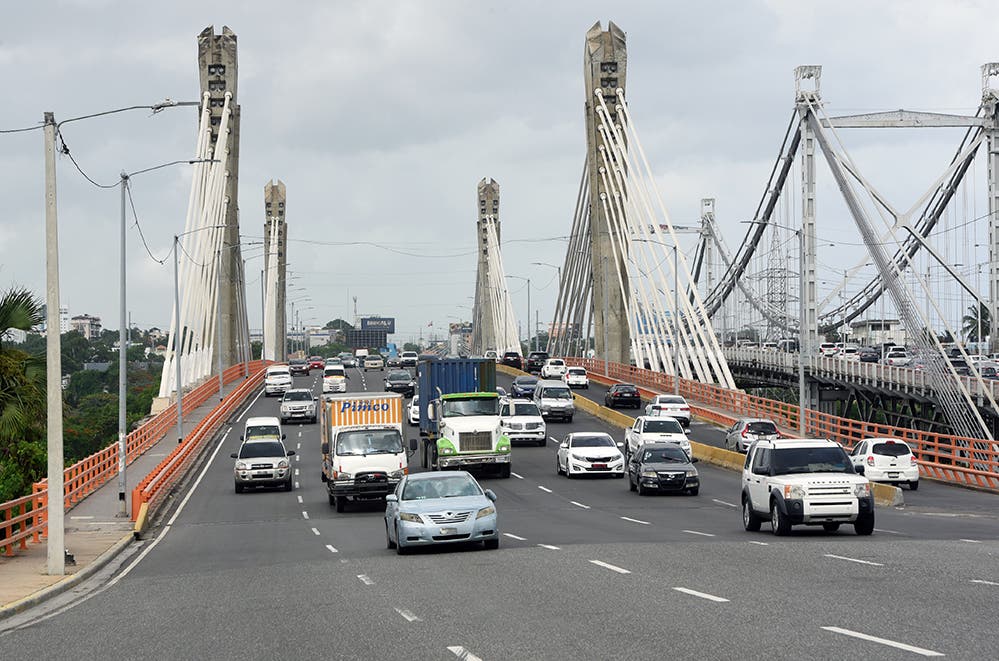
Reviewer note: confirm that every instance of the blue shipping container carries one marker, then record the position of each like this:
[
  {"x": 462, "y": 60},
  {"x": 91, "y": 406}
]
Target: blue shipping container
[{"x": 450, "y": 376}]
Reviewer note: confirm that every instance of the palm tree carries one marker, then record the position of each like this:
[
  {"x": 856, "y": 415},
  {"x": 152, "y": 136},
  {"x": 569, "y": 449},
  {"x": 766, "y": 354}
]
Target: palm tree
[
  {"x": 19, "y": 310},
  {"x": 977, "y": 318}
]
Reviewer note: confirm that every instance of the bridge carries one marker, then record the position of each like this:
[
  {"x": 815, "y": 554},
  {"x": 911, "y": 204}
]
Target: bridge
[{"x": 311, "y": 582}]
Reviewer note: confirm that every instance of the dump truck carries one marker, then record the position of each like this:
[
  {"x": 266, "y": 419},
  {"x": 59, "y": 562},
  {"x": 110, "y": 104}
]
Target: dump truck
[
  {"x": 363, "y": 452},
  {"x": 459, "y": 415}
]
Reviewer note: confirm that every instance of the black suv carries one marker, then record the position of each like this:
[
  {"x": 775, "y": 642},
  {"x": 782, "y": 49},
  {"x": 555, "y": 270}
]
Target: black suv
[
  {"x": 298, "y": 366},
  {"x": 535, "y": 361},
  {"x": 621, "y": 395},
  {"x": 512, "y": 359}
]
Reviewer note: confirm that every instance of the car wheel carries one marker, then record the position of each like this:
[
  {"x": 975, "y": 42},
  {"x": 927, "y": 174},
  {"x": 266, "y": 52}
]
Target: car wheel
[
  {"x": 322, "y": 476},
  {"x": 694, "y": 491},
  {"x": 864, "y": 525},
  {"x": 288, "y": 485},
  {"x": 491, "y": 544},
  {"x": 830, "y": 527},
  {"x": 568, "y": 472},
  {"x": 542, "y": 442},
  {"x": 389, "y": 544},
  {"x": 568, "y": 419},
  {"x": 913, "y": 485},
  {"x": 239, "y": 488},
  {"x": 399, "y": 548},
  {"x": 341, "y": 504},
  {"x": 504, "y": 471},
  {"x": 750, "y": 520},
  {"x": 780, "y": 525}
]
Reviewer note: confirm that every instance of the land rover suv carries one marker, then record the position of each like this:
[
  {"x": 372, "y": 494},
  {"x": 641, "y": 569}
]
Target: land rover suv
[{"x": 804, "y": 482}]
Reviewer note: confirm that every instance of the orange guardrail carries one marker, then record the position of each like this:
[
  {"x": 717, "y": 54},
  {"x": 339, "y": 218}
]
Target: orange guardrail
[
  {"x": 960, "y": 460},
  {"x": 25, "y": 517},
  {"x": 157, "y": 484}
]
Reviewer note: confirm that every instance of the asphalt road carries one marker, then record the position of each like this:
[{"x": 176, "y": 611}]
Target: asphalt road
[{"x": 586, "y": 569}]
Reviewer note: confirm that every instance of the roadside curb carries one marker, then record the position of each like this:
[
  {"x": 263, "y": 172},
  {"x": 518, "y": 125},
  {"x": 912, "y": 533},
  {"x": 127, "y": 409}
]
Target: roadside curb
[{"x": 71, "y": 581}]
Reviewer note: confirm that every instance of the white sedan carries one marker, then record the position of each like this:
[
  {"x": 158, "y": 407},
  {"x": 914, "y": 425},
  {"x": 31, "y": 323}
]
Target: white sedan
[
  {"x": 554, "y": 368},
  {"x": 656, "y": 429},
  {"x": 414, "y": 411},
  {"x": 576, "y": 377},
  {"x": 673, "y": 406},
  {"x": 589, "y": 453}
]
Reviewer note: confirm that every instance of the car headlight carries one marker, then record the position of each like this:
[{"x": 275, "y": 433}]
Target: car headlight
[
  {"x": 794, "y": 491},
  {"x": 408, "y": 516},
  {"x": 397, "y": 474},
  {"x": 691, "y": 472},
  {"x": 862, "y": 490},
  {"x": 447, "y": 451},
  {"x": 241, "y": 466},
  {"x": 649, "y": 474},
  {"x": 283, "y": 463},
  {"x": 578, "y": 458},
  {"x": 342, "y": 476},
  {"x": 485, "y": 511}
]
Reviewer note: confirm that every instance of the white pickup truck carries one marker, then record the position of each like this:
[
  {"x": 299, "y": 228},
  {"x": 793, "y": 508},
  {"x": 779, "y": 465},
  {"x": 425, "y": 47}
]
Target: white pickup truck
[
  {"x": 655, "y": 429},
  {"x": 804, "y": 482}
]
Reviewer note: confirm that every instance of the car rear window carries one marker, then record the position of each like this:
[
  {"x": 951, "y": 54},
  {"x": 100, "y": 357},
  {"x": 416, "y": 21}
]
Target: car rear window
[
  {"x": 891, "y": 449},
  {"x": 578, "y": 371},
  {"x": 761, "y": 428},
  {"x": 671, "y": 400},
  {"x": 628, "y": 390}
]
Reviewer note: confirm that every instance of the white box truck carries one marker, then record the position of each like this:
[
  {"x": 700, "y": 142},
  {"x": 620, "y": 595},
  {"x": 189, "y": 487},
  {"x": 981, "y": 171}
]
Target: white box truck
[{"x": 363, "y": 450}]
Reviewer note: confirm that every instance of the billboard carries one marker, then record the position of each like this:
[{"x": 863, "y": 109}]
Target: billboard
[
  {"x": 362, "y": 339},
  {"x": 384, "y": 324},
  {"x": 463, "y": 328}
]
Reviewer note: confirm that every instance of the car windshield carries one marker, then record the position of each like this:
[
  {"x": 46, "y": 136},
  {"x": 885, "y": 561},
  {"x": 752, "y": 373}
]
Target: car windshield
[
  {"x": 823, "y": 459},
  {"x": 526, "y": 381},
  {"x": 670, "y": 400},
  {"x": 298, "y": 361},
  {"x": 298, "y": 396},
  {"x": 398, "y": 376},
  {"x": 556, "y": 363},
  {"x": 440, "y": 487},
  {"x": 761, "y": 428},
  {"x": 368, "y": 441},
  {"x": 601, "y": 441},
  {"x": 891, "y": 449},
  {"x": 663, "y": 426},
  {"x": 261, "y": 449},
  {"x": 664, "y": 456},
  {"x": 263, "y": 431},
  {"x": 333, "y": 371},
  {"x": 526, "y": 408},
  {"x": 280, "y": 372},
  {"x": 557, "y": 393},
  {"x": 456, "y": 408}
]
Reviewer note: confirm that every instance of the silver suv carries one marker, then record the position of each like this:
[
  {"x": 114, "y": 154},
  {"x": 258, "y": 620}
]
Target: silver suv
[
  {"x": 262, "y": 463},
  {"x": 298, "y": 404},
  {"x": 747, "y": 431},
  {"x": 804, "y": 482}
]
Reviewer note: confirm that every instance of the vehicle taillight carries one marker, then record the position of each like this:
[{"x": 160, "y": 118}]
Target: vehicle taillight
[
  {"x": 744, "y": 432},
  {"x": 912, "y": 460},
  {"x": 870, "y": 461},
  {"x": 684, "y": 408}
]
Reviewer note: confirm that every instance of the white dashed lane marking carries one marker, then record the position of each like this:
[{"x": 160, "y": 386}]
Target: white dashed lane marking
[
  {"x": 410, "y": 617},
  {"x": 516, "y": 537},
  {"x": 628, "y": 518},
  {"x": 545, "y": 489},
  {"x": 695, "y": 532},
  {"x": 462, "y": 653},
  {"x": 363, "y": 578},
  {"x": 550, "y": 547},
  {"x": 305, "y": 515},
  {"x": 981, "y": 582},
  {"x": 722, "y": 502},
  {"x": 519, "y": 477},
  {"x": 607, "y": 565},
  {"x": 331, "y": 548},
  {"x": 585, "y": 507},
  {"x": 702, "y": 595},
  {"x": 883, "y": 641},
  {"x": 856, "y": 560},
  {"x": 315, "y": 531}
]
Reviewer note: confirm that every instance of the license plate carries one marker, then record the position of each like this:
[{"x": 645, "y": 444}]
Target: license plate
[
  {"x": 449, "y": 531},
  {"x": 892, "y": 474},
  {"x": 600, "y": 465}
]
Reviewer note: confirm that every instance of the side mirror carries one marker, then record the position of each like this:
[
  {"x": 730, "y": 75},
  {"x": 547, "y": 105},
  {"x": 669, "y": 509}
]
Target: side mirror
[
  {"x": 284, "y": 437},
  {"x": 694, "y": 460},
  {"x": 234, "y": 455},
  {"x": 241, "y": 437},
  {"x": 391, "y": 498},
  {"x": 432, "y": 414},
  {"x": 620, "y": 444},
  {"x": 315, "y": 399},
  {"x": 291, "y": 453},
  {"x": 490, "y": 494},
  {"x": 325, "y": 447},
  {"x": 564, "y": 445},
  {"x": 414, "y": 445}
]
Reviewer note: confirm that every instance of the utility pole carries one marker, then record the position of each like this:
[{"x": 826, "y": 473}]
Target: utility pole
[
  {"x": 676, "y": 324},
  {"x": 218, "y": 317},
  {"x": 122, "y": 367},
  {"x": 55, "y": 548},
  {"x": 178, "y": 332},
  {"x": 802, "y": 336}
]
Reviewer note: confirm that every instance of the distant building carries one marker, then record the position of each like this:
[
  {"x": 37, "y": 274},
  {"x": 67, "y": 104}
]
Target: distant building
[
  {"x": 155, "y": 334},
  {"x": 64, "y": 322},
  {"x": 14, "y": 336},
  {"x": 87, "y": 325},
  {"x": 872, "y": 332}
]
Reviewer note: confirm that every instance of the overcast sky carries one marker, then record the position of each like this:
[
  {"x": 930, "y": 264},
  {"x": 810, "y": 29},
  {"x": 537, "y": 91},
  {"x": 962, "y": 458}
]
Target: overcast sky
[{"x": 381, "y": 117}]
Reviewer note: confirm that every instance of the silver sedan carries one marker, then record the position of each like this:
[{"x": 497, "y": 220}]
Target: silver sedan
[{"x": 442, "y": 507}]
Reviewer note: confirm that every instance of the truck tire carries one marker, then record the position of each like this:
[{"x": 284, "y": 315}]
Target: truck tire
[
  {"x": 341, "y": 503},
  {"x": 504, "y": 471},
  {"x": 434, "y": 464}
]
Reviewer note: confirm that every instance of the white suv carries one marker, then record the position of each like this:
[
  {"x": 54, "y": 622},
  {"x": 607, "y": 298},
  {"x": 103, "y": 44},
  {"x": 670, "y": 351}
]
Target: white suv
[
  {"x": 886, "y": 460},
  {"x": 804, "y": 482},
  {"x": 521, "y": 421},
  {"x": 277, "y": 380},
  {"x": 554, "y": 368},
  {"x": 673, "y": 406},
  {"x": 655, "y": 429},
  {"x": 576, "y": 377}
]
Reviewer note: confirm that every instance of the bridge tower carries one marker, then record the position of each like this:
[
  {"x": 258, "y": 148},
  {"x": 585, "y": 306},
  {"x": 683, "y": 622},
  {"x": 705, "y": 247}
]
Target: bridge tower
[
  {"x": 484, "y": 324},
  {"x": 275, "y": 340},
  {"x": 218, "y": 67},
  {"x": 604, "y": 68}
]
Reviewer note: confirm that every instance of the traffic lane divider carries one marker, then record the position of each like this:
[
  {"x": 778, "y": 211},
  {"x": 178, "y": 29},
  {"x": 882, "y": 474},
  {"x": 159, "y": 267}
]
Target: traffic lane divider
[{"x": 141, "y": 521}]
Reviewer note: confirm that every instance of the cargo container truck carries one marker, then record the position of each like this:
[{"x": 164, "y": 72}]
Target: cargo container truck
[{"x": 459, "y": 415}]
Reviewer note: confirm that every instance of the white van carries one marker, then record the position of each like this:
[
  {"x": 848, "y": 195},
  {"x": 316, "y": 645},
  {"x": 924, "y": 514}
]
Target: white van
[
  {"x": 554, "y": 399},
  {"x": 334, "y": 379},
  {"x": 264, "y": 428}
]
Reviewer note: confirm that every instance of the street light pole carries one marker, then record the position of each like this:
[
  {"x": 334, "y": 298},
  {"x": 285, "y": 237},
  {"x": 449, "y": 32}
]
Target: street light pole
[
  {"x": 122, "y": 367},
  {"x": 178, "y": 331},
  {"x": 676, "y": 324},
  {"x": 55, "y": 547}
]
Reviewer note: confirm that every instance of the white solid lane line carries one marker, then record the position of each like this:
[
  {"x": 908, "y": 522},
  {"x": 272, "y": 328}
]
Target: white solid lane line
[
  {"x": 644, "y": 523},
  {"x": 702, "y": 595},
  {"x": 519, "y": 477},
  {"x": 884, "y": 641},
  {"x": 408, "y": 614},
  {"x": 251, "y": 405},
  {"x": 315, "y": 531},
  {"x": 462, "y": 653},
  {"x": 517, "y": 537},
  {"x": 550, "y": 547},
  {"x": 607, "y": 565},
  {"x": 970, "y": 541},
  {"x": 695, "y": 532},
  {"x": 545, "y": 489},
  {"x": 585, "y": 507},
  {"x": 859, "y": 562},
  {"x": 305, "y": 515},
  {"x": 722, "y": 502},
  {"x": 363, "y": 578},
  {"x": 331, "y": 548},
  {"x": 981, "y": 582}
]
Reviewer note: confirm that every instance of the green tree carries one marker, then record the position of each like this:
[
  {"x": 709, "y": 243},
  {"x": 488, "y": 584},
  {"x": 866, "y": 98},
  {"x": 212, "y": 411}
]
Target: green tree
[
  {"x": 970, "y": 323},
  {"x": 410, "y": 346}
]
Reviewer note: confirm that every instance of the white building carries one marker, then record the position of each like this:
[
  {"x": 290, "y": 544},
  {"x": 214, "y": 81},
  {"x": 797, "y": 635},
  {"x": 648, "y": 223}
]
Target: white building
[
  {"x": 873, "y": 332},
  {"x": 87, "y": 325}
]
